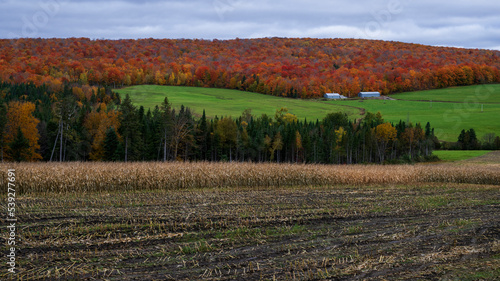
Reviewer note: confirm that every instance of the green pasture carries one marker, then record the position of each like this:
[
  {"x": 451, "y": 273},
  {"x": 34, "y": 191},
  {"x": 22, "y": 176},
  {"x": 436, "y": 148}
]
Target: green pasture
[
  {"x": 467, "y": 94},
  {"x": 447, "y": 119},
  {"x": 230, "y": 102},
  {"x": 459, "y": 107},
  {"x": 457, "y": 155}
]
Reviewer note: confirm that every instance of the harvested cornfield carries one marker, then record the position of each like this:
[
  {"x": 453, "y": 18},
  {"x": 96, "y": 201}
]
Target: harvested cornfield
[
  {"x": 244, "y": 221},
  {"x": 105, "y": 177},
  {"x": 428, "y": 232}
]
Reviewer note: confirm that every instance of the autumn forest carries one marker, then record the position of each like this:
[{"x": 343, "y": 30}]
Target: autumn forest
[
  {"x": 302, "y": 68},
  {"x": 57, "y": 98}
]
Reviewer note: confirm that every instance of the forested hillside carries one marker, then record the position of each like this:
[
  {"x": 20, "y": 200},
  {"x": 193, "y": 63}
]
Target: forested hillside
[
  {"x": 277, "y": 66},
  {"x": 57, "y": 103},
  {"x": 38, "y": 124}
]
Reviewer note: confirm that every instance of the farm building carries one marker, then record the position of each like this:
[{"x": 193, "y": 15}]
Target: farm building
[
  {"x": 369, "y": 94},
  {"x": 334, "y": 96}
]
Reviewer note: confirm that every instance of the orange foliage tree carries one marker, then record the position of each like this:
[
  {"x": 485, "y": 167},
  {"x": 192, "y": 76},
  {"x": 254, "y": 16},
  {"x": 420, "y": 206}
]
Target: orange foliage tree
[
  {"x": 279, "y": 66},
  {"x": 411, "y": 137}
]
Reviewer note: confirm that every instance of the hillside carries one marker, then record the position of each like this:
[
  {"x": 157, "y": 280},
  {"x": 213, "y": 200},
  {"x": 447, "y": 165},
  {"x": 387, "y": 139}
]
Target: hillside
[
  {"x": 452, "y": 109},
  {"x": 448, "y": 119},
  {"x": 275, "y": 66},
  {"x": 231, "y": 102},
  {"x": 466, "y": 94}
]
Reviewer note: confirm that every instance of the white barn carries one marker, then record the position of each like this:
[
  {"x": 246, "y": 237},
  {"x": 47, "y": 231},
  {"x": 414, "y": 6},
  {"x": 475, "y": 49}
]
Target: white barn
[
  {"x": 369, "y": 94},
  {"x": 333, "y": 96}
]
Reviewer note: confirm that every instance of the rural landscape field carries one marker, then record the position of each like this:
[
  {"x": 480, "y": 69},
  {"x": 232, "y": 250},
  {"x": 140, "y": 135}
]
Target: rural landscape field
[
  {"x": 249, "y": 140},
  {"x": 118, "y": 170},
  {"x": 449, "y": 110},
  {"x": 229, "y": 102},
  {"x": 209, "y": 221}
]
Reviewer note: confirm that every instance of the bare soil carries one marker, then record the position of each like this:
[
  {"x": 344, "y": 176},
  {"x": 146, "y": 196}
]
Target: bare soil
[{"x": 421, "y": 232}]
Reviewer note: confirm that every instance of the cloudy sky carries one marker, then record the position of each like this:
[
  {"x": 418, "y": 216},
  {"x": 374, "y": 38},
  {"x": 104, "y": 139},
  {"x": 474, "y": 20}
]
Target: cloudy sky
[{"x": 460, "y": 23}]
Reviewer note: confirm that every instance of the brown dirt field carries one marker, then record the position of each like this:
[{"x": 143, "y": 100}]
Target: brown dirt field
[{"x": 381, "y": 232}]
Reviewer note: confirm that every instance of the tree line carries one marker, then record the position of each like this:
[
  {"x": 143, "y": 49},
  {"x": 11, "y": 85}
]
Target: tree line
[
  {"x": 468, "y": 140},
  {"x": 38, "y": 124}
]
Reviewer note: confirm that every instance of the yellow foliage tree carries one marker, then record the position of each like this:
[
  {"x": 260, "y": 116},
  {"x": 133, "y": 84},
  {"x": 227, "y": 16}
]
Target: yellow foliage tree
[
  {"x": 340, "y": 133},
  {"x": 298, "y": 145},
  {"x": 228, "y": 134},
  {"x": 78, "y": 92},
  {"x": 97, "y": 123},
  {"x": 20, "y": 115},
  {"x": 159, "y": 78},
  {"x": 276, "y": 145},
  {"x": 283, "y": 117},
  {"x": 384, "y": 133},
  {"x": 171, "y": 79}
]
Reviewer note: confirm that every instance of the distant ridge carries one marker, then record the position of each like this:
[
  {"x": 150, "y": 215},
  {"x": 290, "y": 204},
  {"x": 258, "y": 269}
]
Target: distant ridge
[{"x": 291, "y": 67}]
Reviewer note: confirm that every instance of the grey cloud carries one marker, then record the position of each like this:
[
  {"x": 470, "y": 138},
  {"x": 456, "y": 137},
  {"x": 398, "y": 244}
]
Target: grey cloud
[{"x": 452, "y": 23}]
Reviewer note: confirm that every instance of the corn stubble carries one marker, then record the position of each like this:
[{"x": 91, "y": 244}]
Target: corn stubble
[
  {"x": 104, "y": 177},
  {"x": 233, "y": 221}
]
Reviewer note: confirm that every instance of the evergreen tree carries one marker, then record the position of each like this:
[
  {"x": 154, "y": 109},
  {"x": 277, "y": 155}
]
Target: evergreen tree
[
  {"x": 467, "y": 140},
  {"x": 93, "y": 98},
  {"x": 155, "y": 139},
  {"x": 166, "y": 124},
  {"x": 110, "y": 144},
  {"x": 149, "y": 137},
  {"x": 44, "y": 140},
  {"x": 143, "y": 128},
  {"x": 120, "y": 152},
  {"x": 496, "y": 143},
  {"x": 84, "y": 145},
  {"x": 336, "y": 120},
  {"x": 462, "y": 140},
  {"x": 428, "y": 129},
  {"x": 129, "y": 125},
  {"x": 202, "y": 138},
  {"x": 473, "y": 141},
  {"x": 20, "y": 147},
  {"x": 3, "y": 122}
]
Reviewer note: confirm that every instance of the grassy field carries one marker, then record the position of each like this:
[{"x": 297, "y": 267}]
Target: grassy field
[
  {"x": 458, "y": 155},
  {"x": 472, "y": 107},
  {"x": 466, "y": 94},
  {"x": 230, "y": 102},
  {"x": 448, "y": 119},
  {"x": 433, "y": 222}
]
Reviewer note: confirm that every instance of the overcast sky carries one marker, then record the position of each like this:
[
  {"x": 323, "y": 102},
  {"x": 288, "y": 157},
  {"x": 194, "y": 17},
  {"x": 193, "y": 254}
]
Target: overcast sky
[{"x": 460, "y": 23}]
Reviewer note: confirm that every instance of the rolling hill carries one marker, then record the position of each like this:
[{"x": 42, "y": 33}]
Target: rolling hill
[
  {"x": 230, "y": 102},
  {"x": 291, "y": 67},
  {"x": 452, "y": 110}
]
